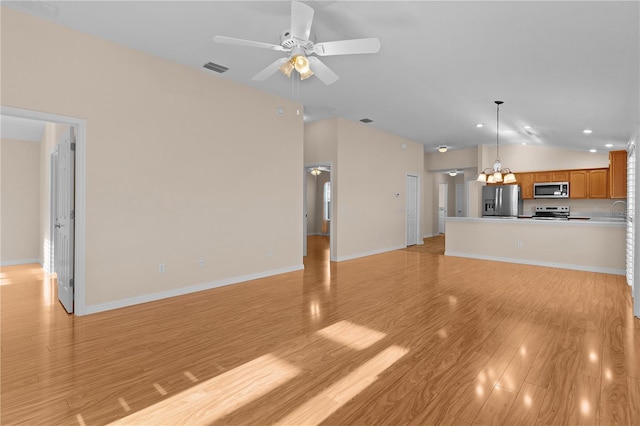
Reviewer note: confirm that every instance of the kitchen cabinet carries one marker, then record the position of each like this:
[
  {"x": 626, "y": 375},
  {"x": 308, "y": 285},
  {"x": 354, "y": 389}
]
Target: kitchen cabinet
[
  {"x": 526, "y": 185},
  {"x": 560, "y": 176},
  {"x": 618, "y": 174},
  {"x": 598, "y": 183},
  {"x": 542, "y": 177},
  {"x": 578, "y": 184}
]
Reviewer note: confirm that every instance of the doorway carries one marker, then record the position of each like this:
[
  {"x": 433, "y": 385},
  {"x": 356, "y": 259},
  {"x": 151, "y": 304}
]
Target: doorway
[
  {"x": 318, "y": 205},
  {"x": 74, "y": 221}
]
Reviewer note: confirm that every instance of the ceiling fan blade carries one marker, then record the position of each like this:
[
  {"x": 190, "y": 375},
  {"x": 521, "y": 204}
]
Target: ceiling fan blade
[
  {"x": 347, "y": 47},
  {"x": 301, "y": 19},
  {"x": 248, "y": 43},
  {"x": 322, "y": 71},
  {"x": 265, "y": 73}
]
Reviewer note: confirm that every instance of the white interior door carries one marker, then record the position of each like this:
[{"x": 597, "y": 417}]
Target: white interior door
[
  {"x": 412, "y": 210},
  {"x": 64, "y": 220},
  {"x": 443, "y": 189}
]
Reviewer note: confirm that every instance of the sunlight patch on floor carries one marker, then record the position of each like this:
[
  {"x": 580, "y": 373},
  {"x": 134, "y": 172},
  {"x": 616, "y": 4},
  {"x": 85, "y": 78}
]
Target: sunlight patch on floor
[
  {"x": 219, "y": 396},
  {"x": 351, "y": 335},
  {"x": 335, "y": 396}
]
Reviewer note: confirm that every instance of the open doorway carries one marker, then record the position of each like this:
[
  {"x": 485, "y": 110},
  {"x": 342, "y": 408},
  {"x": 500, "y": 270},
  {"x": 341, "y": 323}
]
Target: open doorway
[
  {"x": 318, "y": 212},
  {"x": 60, "y": 201}
]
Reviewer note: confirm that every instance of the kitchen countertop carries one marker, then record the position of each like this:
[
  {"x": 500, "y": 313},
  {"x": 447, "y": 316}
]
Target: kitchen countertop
[{"x": 594, "y": 221}]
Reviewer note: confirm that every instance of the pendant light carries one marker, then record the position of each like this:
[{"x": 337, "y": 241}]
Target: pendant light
[{"x": 495, "y": 174}]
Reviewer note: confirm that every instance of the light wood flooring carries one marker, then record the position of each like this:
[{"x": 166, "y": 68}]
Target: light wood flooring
[{"x": 404, "y": 337}]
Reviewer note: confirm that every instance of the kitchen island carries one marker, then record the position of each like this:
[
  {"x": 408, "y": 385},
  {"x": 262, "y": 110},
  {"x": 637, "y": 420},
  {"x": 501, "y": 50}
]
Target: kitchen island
[{"x": 587, "y": 245}]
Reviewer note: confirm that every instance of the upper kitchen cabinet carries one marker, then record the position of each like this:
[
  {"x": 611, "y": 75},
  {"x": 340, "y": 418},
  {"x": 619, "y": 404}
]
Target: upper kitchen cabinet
[
  {"x": 542, "y": 177},
  {"x": 618, "y": 174},
  {"x": 598, "y": 187},
  {"x": 578, "y": 184},
  {"x": 560, "y": 176},
  {"x": 526, "y": 185}
]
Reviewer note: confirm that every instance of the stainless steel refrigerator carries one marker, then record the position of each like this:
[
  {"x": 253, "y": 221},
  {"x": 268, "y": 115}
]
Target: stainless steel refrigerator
[{"x": 501, "y": 201}]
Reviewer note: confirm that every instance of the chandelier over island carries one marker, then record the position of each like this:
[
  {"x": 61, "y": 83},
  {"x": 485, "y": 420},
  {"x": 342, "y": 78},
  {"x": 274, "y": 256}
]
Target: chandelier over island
[{"x": 497, "y": 174}]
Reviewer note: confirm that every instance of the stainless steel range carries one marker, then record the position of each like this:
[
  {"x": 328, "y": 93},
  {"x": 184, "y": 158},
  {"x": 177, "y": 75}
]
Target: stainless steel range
[{"x": 551, "y": 213}]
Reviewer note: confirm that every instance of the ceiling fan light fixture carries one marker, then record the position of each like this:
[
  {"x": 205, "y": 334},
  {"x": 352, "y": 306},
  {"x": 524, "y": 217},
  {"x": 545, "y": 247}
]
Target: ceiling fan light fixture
[
  {"x": 301, "y": 64},
  {"x": 305, "y": 75},
  {"x": 287, "y": 68}
]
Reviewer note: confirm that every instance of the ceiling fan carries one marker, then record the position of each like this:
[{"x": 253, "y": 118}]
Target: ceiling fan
[{"x": 298, "y": 43}]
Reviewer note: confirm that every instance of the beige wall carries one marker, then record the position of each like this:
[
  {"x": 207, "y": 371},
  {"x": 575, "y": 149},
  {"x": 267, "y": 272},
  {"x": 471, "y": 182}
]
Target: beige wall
[
  {"x": 572, "y": 244},
  {"x": 369, "y": 169},
  {"x": 174, "y": 173},
  {"x": 20, "y": 193},
  {"x": 372, "y": 169},
  {"x": 529, "y": 158}
]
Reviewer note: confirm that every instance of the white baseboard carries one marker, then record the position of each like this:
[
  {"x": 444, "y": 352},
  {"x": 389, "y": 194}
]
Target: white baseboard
[
  {"x": 20, "y": 262},
  {"x": 430, "y": 235},
  {"x": 586, "y": 268},
  {"x": 92, "y": 309},
  {"x": 367, "y": 253}
]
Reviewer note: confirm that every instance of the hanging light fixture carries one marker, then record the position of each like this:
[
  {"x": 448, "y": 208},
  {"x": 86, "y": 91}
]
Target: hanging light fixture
[
  {"x": 453, "y": 173},
  {"x": 495, "y": 174},
  {"x": 315, "y": 171},
  {"x": 299, "y": 62}
]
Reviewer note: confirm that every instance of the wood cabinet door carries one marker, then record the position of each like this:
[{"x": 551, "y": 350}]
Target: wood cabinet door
[
  {"x": 542, "y": 177},
  {"x": 598, "y": 183},
  {"x": 560, "y": 176},
  {"x": 578, "y": 184},
  {"x": 618, "y": 174},
  {"x": 526, "y": 185}
]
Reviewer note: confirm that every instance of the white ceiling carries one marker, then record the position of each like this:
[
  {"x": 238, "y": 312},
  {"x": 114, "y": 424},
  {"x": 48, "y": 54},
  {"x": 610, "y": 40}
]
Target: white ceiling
[{"x": 560, "y": 67}]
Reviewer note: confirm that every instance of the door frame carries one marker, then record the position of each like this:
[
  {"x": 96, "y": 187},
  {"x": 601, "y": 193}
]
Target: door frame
[
  {"x": 417, "y": 195},
  {"x": 305, "y": 174},
  {"x": 80, "y": 193}
]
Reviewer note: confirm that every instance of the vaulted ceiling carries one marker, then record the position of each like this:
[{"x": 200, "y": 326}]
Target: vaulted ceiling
[{"x": 559, "y": 66}]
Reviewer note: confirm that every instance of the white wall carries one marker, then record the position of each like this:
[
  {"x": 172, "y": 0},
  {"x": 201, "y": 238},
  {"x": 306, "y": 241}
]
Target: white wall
[
  {"x": 174, "y": 172},
  {"x": 20, "y": 193}
]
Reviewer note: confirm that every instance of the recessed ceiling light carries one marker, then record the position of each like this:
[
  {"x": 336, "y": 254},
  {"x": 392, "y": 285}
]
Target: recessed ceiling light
[
  {"x": 609, "y": 145},
  {"x": 527, "y": 127},
  {"x": 479, "y": 125},
  {"x": 524, "y": 143},
  {"x": 587, "y": 131},
  {"x": 593, "y": 150}
]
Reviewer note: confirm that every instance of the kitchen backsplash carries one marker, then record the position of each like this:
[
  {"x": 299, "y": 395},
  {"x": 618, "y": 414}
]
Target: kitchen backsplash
[{"x": 590, "y": 207}]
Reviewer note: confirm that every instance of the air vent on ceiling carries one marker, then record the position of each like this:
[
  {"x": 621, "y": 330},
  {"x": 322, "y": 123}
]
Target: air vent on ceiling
[
  {"x": 215, "y": 67},
  {"x": 366, "y": 120}
]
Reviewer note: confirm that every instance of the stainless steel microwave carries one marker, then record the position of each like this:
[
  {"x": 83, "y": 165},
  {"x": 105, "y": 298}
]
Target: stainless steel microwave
[{"x": 551, "y": 190}]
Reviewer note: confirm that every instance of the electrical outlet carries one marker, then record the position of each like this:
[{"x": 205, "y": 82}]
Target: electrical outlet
[
  {"x": 201, "y": 262},
  {"x": 520, "y": 245},
  {"x": 161, "y": 268},
  {"x": 269, "y": 252}
]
